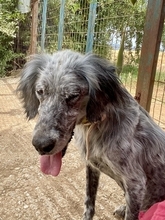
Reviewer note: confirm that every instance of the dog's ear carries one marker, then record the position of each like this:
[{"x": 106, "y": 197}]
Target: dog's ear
[
  {"x": 26, "y": 86},
  {"x": 104, "y": 86},
  {"x": 95, "y": 110}
]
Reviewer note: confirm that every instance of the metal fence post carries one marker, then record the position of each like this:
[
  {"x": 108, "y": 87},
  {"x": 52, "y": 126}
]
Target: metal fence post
[
  {"x": 91, "y": 25},
  {"x": 149, "y": 53},
  {"x": 43, "y": 31},
  {"x": 61, "y": 25}
]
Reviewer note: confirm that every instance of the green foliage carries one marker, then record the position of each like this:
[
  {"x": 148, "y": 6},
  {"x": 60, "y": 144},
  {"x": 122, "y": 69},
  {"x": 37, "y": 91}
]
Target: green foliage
[
  {"x": 76, "y": 17},
  {"x": 128, "y": 18},
  {"x": 125, "y": 19},
  {"x": 130, "y": 69},
  {"x": 112, "y": 16},
  {"x": 9, "y": 20}
]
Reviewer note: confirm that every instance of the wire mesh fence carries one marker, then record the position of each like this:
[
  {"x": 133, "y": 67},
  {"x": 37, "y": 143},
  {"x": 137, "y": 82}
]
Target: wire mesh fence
[
  {"x": 114, "y": 21},
  {"x": 117, "y": 35},
  {"x": 158, "y": 98}
]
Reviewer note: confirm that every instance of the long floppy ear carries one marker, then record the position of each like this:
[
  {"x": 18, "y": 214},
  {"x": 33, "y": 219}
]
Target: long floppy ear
[
  {"x": 26, "y": 86},
  {"x": 104, "y": 86}
]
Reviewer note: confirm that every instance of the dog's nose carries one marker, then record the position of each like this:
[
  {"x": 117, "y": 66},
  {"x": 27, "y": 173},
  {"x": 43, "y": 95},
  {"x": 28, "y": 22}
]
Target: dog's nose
[{"x": 43, "y": 145}]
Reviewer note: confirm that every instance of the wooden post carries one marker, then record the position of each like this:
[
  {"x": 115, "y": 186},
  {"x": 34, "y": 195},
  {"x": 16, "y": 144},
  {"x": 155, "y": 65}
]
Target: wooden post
[
  {"x": 150, "y": 50},
  {"x": 33, "y": 41}
]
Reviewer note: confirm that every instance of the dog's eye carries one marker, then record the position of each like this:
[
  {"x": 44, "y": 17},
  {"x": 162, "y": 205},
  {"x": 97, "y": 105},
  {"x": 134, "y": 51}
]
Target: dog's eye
[
  {"x": 40, "y": 92},
  {"x": 72, "y": 98}
]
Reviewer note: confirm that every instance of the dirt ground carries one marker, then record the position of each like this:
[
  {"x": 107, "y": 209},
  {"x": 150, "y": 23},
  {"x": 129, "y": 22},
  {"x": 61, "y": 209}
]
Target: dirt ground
[{"x": 27, "y": 194}]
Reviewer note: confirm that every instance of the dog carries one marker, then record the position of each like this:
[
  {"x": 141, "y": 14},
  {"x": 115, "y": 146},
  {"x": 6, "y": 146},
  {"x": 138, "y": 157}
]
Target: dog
[{"x": 72, "y": 92}]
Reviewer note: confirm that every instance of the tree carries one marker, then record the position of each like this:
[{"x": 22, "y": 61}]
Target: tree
[
  {"x": 9, "y": 26},
  {"x": 127, "y": 21}
]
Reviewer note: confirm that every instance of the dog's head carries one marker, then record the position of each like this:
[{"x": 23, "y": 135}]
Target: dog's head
[{"x": 64, "y": 88}]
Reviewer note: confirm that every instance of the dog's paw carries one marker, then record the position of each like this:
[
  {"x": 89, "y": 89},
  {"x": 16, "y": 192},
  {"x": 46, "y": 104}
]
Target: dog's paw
[
  {"x": 88, "y": 214},
  {"x": 120, "y": 212},
  {"x": 85, "y": 217}
]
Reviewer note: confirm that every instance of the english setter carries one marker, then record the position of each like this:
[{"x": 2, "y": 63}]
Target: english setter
[{"x": 82, "y": 93}]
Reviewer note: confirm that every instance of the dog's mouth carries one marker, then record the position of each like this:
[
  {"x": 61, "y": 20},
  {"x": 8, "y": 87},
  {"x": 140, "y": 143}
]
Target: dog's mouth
[{"x": 51, "y": 164}]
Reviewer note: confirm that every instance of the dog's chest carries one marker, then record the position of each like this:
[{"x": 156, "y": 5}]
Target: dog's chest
[
  {"x": 93, "y": 152},
  {"x": 89, "y": 143}
]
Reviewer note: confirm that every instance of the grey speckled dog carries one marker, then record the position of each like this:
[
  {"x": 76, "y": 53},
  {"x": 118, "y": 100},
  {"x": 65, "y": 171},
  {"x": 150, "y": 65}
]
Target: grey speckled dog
[{"x": 81, "y": 93}]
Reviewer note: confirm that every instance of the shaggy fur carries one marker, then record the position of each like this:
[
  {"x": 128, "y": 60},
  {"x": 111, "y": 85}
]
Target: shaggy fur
[{"x": 78, "y": 92}]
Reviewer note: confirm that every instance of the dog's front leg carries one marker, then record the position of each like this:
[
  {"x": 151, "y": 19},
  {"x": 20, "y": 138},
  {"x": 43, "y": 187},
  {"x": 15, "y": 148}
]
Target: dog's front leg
[
  {"x": 134, "y": 196},
  {"x": 92, "y": 182}
]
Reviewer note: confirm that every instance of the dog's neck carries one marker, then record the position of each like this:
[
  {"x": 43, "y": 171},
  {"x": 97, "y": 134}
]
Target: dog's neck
[
  {"x": 85, "y": 122},
  {"x": 91, "y": 126}
]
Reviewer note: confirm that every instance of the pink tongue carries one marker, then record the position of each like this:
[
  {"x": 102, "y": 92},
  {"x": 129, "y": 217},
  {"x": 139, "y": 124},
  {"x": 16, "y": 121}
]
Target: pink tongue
[{"x": 51, "y": 164}]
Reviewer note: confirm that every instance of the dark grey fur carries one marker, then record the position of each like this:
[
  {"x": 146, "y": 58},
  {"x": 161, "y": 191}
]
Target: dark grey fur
[{"x": 78, "y": 92}]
